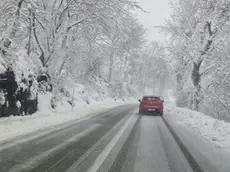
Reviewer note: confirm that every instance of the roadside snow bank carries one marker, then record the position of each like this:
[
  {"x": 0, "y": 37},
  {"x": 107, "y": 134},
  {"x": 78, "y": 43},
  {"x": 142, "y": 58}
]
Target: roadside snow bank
[
  {"x": 19, "y": 125},
  {"x": 216, "y": 131}
]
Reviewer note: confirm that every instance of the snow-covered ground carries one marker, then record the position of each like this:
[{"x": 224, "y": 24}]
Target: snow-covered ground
[
  {"x": 216, "y": 131},
  {"x": 19, "y": 125}
]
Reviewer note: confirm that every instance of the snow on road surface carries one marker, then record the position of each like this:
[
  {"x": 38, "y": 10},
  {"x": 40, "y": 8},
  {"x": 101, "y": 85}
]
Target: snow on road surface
[
  {"x": 214, "y": 130},
  {"x": 20, "y": 125}
]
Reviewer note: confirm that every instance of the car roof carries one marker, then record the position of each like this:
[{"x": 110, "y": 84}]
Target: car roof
[{"x": 152, "y": 96}]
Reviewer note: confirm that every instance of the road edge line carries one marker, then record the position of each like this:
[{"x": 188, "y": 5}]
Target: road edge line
[{"x": 189, "y": 157}]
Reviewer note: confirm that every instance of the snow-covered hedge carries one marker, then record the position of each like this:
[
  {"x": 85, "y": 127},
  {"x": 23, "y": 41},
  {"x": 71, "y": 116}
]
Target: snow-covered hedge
[{"x": 214, "y": 130}]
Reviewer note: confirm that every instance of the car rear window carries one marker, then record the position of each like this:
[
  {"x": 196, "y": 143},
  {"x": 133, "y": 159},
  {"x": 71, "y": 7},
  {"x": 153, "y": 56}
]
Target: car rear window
[{"x": 152, "y": 99}]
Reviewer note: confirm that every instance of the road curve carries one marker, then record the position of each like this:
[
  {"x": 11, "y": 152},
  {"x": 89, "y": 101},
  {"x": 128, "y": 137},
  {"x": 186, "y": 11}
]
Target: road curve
[{"x": 116, "y": 140}]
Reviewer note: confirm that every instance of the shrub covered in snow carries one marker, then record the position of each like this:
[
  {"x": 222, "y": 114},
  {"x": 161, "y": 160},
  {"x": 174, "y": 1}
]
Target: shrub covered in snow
[{"x": 214, "y": 130}]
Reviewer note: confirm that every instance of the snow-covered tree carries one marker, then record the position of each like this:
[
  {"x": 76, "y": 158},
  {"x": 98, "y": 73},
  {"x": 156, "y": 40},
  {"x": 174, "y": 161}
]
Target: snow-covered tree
[
  {"x": 198, "y": 45},
  {"x": 58, "y": 44}
]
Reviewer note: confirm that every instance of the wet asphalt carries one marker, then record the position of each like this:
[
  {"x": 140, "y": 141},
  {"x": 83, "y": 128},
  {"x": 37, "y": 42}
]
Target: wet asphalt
[{"x": 117, "y": 140}]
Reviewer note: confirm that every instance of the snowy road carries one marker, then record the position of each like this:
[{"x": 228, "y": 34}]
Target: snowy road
[{"x": 116, "y": 140}]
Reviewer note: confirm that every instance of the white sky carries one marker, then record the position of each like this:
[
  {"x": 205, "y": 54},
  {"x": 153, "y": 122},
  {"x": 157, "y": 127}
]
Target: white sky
[{"x": 158, "y": 11}]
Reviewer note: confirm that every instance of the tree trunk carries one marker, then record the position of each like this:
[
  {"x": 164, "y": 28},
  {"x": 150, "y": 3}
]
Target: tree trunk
[
  {"x": 190, "y": 100},
  {"x": 30, "y": 34},
  {"x": 196, "y": 82},
  {"x": 110, "y": 68},
  {"x": 42, "y": 56},
  {"x": 197, "y": 99},
  {"x": 180, "y": 102}
]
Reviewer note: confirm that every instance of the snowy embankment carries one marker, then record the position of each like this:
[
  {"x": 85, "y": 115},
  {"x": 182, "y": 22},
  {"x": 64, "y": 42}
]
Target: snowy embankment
[
  {"x": 20, "y": 125},
  {"x": 214, "y": 130}
]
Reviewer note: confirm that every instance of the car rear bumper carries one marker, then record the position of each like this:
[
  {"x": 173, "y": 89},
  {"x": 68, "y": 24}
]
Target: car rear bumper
[{"x": 151, "y": 111}]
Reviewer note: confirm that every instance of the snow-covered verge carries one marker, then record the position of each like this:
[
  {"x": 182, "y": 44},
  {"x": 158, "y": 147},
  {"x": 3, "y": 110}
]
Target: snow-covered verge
[
  {"x": 211, "y": 129},
  {"x": 20, "y": 125}
]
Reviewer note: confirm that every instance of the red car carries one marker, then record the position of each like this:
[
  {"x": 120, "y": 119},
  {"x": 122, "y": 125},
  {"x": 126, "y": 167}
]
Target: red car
[{"x": 152, "y": 104}]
